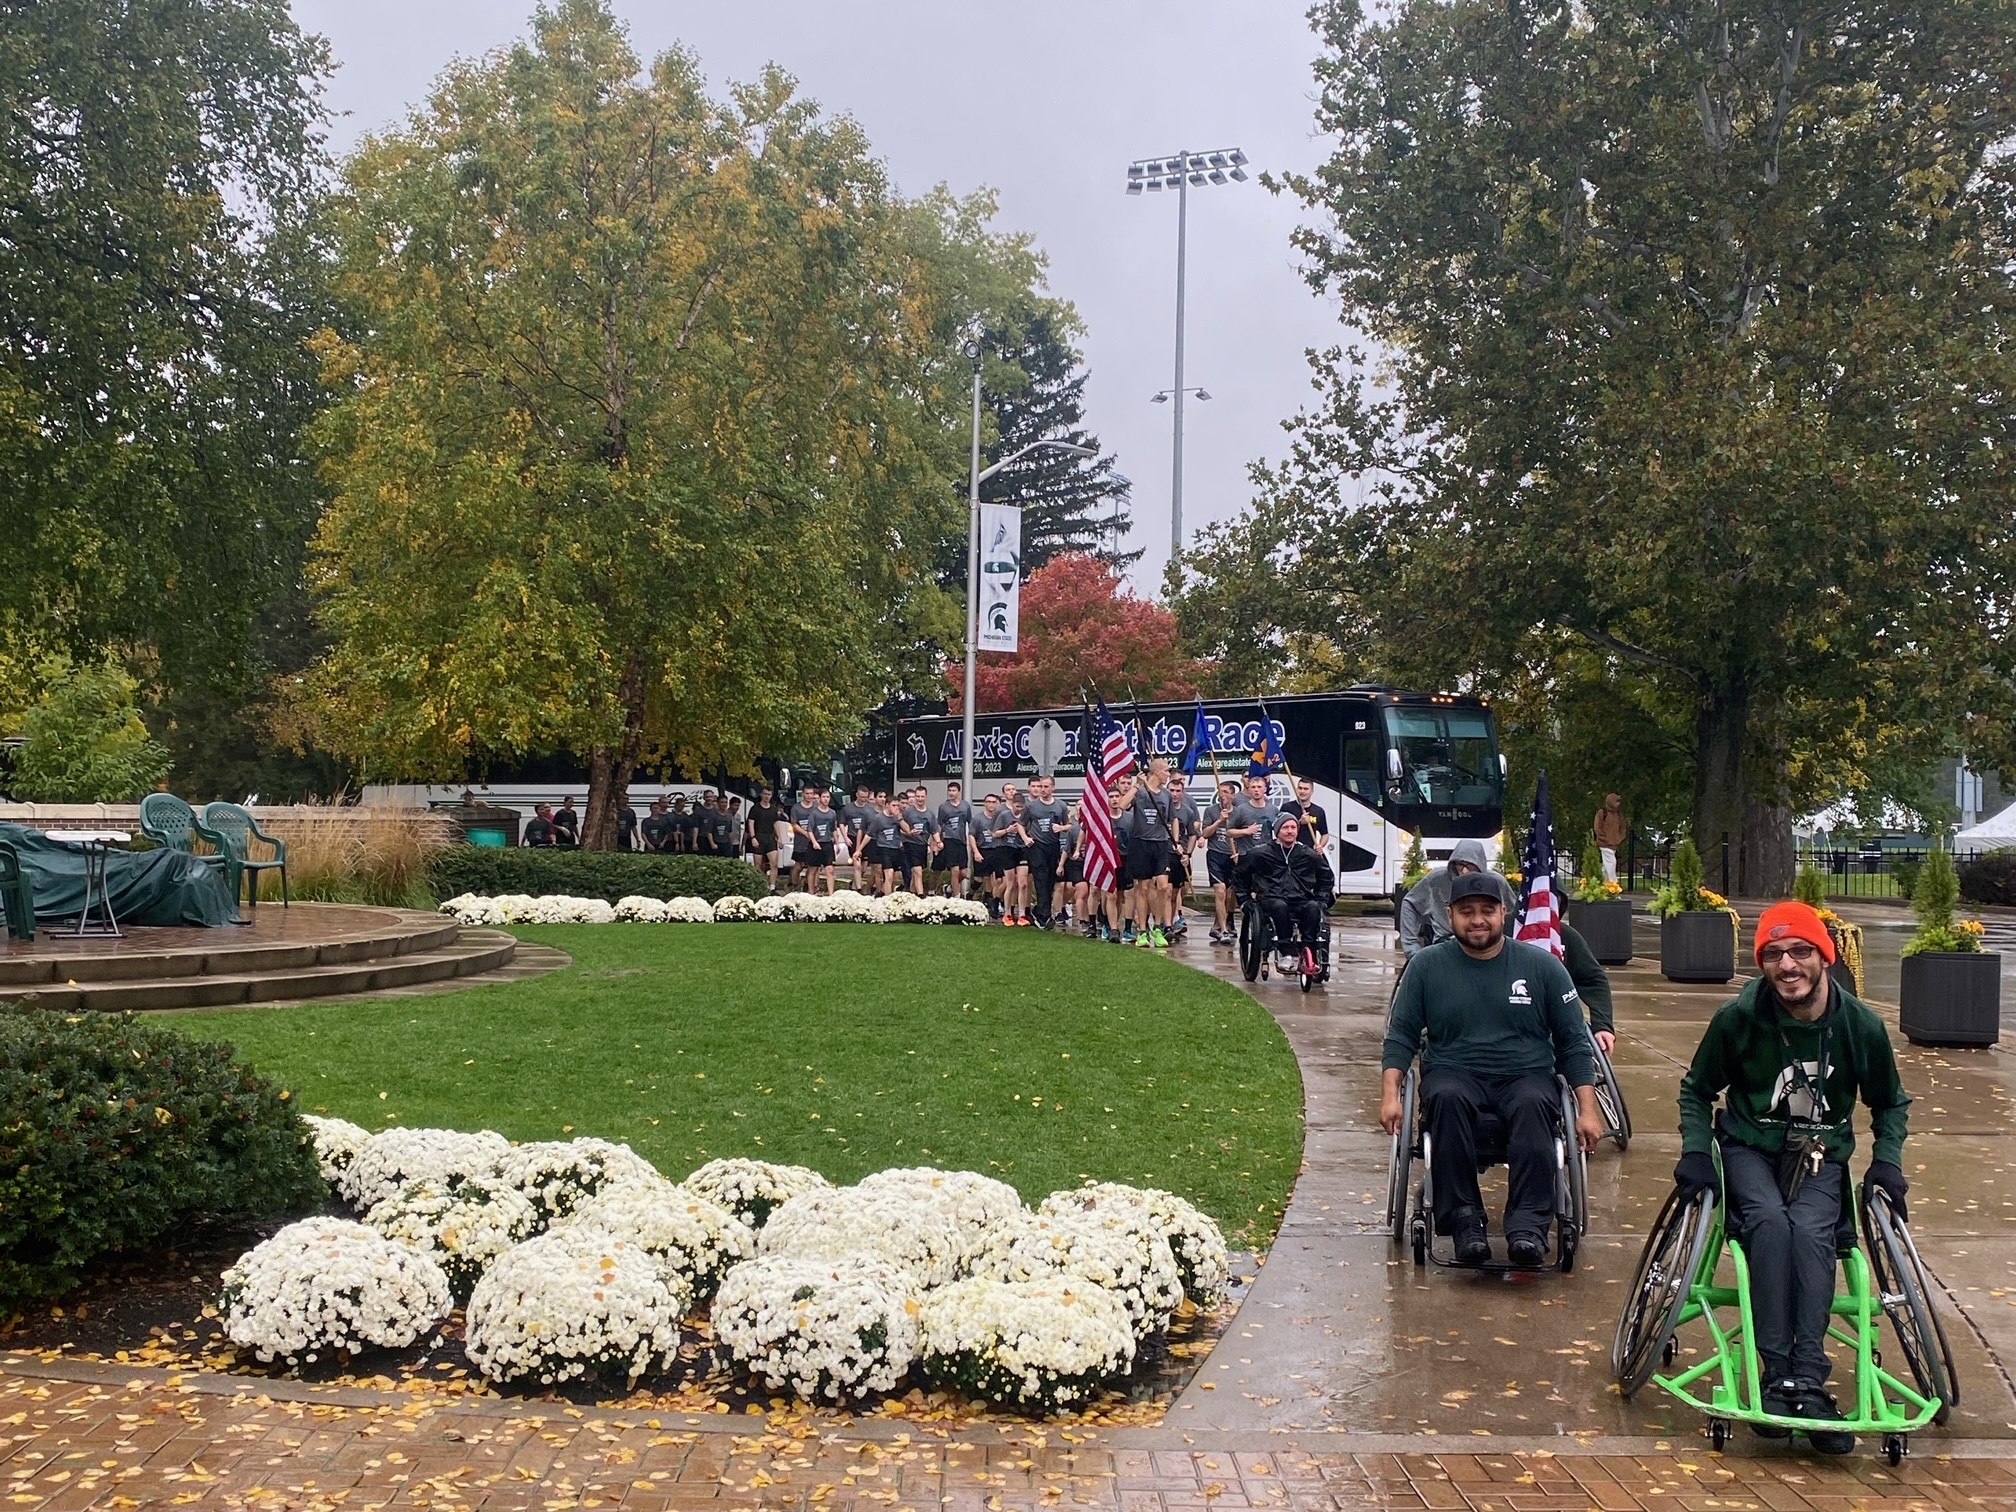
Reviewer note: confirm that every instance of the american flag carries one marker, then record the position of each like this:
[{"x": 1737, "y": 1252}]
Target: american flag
[
  {"x": 1116, "y": 749},
  {"x": 1111, "y": 759},
  {"x": 1539, "y": 903}
]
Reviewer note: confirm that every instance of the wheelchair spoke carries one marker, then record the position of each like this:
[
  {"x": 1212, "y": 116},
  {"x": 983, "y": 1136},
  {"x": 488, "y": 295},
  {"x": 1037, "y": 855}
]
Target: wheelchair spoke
[
  {"x": 1904, "y": 1291},
  {"x": 1659, "y": 1289}
]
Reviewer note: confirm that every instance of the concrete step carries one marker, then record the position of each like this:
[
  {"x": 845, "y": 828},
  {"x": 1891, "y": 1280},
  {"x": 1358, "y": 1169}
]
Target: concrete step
[
  {"x": 209, "y": 953},
  {"x": 471, "y": 952}
]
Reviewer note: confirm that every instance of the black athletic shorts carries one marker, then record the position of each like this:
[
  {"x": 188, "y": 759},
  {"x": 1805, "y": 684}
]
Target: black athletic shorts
[
  {"x": 1147, "y": 859},
  {"x": 1219, "y": 865},
  {"x": 1074, "y": 870},
  {"x": 952, "y": 853},
  {"x": 1179, "y": 867},
  {"x": 819, "y": 855},
  {"x": 885, "y": 855},
  {"x": 915, "y": 854}
]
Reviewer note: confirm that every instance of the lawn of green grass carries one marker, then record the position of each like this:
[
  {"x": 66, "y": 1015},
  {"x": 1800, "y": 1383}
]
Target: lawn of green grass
[{"x": 848, "y": 1048}]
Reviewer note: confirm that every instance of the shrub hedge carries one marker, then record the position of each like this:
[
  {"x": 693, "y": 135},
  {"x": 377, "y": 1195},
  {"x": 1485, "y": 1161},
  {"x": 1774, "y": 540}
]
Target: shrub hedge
[
  {"x": 608, "y": 875},
  {"x": 114, "y": 1130},
  {"x": 1990, "y": 878}
]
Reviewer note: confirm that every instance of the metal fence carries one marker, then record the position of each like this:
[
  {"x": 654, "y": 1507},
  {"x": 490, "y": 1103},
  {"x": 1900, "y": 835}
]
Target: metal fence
[{"x": 1858, "y": 872}]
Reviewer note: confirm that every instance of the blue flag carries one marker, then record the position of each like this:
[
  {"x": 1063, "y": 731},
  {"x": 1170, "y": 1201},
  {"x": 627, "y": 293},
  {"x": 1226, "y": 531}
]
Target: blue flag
[
  {"x": 1266, "y": 758},
  {"x": 1197, "y": 742}
]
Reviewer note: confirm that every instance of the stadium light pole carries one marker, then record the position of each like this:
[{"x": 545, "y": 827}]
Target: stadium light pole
[
  {"x": 1183, "y": 172},
  {"x": 979, "y": 475}
]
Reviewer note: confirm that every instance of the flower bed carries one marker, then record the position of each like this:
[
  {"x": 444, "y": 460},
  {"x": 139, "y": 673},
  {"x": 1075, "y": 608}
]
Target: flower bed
[
  {"x": 832, "y": 1293},
  {"x": 844, "y": 907}
]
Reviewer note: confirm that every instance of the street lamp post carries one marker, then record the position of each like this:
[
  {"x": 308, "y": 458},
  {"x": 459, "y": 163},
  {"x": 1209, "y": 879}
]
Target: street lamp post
[
  {"x": 1184, "y": 171},
  {"x": 978, "y": 476}
]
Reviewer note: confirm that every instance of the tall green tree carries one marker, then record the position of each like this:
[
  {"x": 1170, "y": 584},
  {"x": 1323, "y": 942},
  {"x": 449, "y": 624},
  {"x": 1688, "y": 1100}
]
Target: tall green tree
[
  {"x": 1693, "y": 352},
  {"x": 1069, "y": 504},
  {"x": 158, "y": 163},
  {"x": 650, "y": 434}
]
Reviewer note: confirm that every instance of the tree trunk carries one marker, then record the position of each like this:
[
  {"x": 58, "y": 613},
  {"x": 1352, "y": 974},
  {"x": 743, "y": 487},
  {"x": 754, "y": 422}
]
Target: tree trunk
[
  {"x": 610, "y": 768},
  {"x": 1745, "y": 842}
]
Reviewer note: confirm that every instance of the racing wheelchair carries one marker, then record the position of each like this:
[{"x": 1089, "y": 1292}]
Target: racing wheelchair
[
  {"x": 1256, "y": 945},
  {"x": 1411, "y": 1215},
  {"x": 1677, "y": 1283}
]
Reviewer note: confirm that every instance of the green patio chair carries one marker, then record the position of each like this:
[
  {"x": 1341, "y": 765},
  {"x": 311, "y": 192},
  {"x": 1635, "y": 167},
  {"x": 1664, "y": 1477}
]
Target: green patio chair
[
  {"x": 239, "y": 829},
  {"x": 16, "y": 894},
  {"x": 173, "y": 825}
]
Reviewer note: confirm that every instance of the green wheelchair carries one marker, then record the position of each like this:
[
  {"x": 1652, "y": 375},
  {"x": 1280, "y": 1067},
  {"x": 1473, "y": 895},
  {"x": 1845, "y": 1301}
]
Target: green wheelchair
[{"x": 1678, "y": 1282}]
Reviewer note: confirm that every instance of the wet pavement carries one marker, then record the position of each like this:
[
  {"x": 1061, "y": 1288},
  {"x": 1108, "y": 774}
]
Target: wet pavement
[
  {"x": 1348, "y": 1379},
  {"x": 1343, "y": 1334}
]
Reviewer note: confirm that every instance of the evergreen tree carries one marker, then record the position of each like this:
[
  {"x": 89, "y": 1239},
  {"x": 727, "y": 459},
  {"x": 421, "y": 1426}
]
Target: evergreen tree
[{"x": 1069, "y": 504}]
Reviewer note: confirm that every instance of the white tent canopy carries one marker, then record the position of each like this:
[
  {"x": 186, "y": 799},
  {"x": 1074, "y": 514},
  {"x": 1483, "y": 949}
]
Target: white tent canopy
[{"x": 1992, "y": 833}]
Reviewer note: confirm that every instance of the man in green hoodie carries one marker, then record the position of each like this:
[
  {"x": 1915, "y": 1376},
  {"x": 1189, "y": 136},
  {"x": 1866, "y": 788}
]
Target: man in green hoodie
[{"x": 1787, "y": 1057}]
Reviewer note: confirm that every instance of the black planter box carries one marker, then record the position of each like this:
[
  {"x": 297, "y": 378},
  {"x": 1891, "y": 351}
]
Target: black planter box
[
  {"x": 1606, "y": 926},
  {"x": 1951, "y": 997},
  {"x": 1698, "y": 946}
]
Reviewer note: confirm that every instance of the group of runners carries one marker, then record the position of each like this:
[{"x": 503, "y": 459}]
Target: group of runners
[{"x": 1023, "y": 849}]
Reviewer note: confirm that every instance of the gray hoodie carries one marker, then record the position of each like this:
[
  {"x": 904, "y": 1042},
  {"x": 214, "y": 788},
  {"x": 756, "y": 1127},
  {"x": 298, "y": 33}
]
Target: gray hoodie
[{"x": 1424, "y": 912}]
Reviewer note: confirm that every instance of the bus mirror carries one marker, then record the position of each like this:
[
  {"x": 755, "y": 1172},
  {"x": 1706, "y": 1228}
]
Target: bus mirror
[{"x": 1392, "y": 764}]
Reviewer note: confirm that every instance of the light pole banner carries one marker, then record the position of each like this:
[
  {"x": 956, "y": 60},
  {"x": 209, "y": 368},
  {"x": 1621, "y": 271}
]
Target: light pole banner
[{"x": 1000, "y": 577}]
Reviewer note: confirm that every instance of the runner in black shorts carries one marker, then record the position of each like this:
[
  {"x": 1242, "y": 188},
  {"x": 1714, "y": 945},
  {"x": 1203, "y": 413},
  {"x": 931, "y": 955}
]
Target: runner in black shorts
[
  {"x": 1012, "y": 857},
  {"x": 824, "y": 823},
  {"x": 763, "y": 833},
  {"x": 918, "y": 826},
  {"x": 1043, "y": 821},
  {"x": 1184, "y": 823},
  {"x": 952, "y": 843},
  {"x": 885, "y": 844},
  {"x": 1218, "y": 860},
  {"x": 1148, "y": 856}
]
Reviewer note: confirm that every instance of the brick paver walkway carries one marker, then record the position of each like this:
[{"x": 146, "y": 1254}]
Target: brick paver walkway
[{"x": 155, "y": 1440}]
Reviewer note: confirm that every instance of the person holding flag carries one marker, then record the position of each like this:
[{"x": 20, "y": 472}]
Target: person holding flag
[
  {"x": 1538, "y": 920},
  {"x": 1109, "y": 760}
]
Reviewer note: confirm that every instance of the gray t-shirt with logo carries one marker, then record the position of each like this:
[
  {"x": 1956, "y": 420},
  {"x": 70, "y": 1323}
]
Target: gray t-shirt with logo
[
  {"x": 1246, "y": 812},
  {"x": 1219, "y": 842},
  {"x": 954, "y": 822},
  {"x": 1044, "y": 820},
  {"x": 1189, "y": 819},
  {"x": 1001, "y": 828}
]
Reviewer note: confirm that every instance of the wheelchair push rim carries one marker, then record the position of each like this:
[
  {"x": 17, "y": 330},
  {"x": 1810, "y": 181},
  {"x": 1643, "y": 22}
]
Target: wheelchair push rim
[
  {"x": 1904, "y": 1290},
  {"x": 1610, "y": 1099},
  {"x": 1660, "y": 1288},
  {"x": 1399, "y": 1167}
]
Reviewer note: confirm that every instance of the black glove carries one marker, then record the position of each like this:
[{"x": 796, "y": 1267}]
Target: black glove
[
  {"x": 1696, "y": 1173},
  {"x": 1890, "y": 1177}
]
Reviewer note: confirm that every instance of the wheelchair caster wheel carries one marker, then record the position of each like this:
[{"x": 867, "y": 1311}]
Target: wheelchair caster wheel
[
  {"x": 1308, "y": 984},
  {"x": 1666, "y": 1354},
  {"x": 1420, "y": 1248},
  {"x": 1894, "y": 1449},
  {"x": 1718, "y": 1434}
]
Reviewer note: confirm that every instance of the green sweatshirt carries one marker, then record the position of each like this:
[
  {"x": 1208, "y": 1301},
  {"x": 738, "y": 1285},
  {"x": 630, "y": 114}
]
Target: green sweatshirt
[
  {"x": 1514, "y": 1013},
  {"x": 1741, "y": 1061},
  {"x": 1591, "y": 981}
]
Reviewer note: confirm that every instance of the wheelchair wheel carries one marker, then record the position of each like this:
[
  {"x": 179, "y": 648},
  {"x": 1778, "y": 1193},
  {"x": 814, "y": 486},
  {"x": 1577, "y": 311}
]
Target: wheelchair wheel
[
  {"x": 1905, "y": 1291},
  {"x": 1400, "y": 1163},
  {"x": 1572, "y": 1222},
  {"x": 1252, "y": 948},
  {"x": 1610, "y": 1099},
  {"x": 1659, "y": 1287}
]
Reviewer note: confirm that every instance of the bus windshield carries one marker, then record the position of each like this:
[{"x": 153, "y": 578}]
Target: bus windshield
[{"x": 1447, "y": 758}]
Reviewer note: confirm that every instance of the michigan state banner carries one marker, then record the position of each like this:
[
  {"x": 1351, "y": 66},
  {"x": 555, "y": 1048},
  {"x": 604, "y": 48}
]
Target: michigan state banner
[{"x": 1000, "y": 577}]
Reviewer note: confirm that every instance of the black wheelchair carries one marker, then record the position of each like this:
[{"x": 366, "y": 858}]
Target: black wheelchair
[
  {"x": 1256, "y": 945},
  {"x": 1610, "y": 1100},
  {"x": 1411, "y": 1215}
]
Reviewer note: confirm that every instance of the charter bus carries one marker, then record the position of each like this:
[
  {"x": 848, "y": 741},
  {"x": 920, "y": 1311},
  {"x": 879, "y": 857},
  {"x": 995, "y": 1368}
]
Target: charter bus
[{"x": 1387, "y": 765}]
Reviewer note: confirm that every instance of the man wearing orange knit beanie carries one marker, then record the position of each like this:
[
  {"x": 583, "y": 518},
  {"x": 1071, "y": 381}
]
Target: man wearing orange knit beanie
[{"x": 1787, "y": 1058}]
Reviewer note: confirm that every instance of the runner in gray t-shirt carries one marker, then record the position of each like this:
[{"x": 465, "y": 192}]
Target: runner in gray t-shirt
[
  {"x": 1043, "y": 821},
  {"x": 1185, "y": 820},
  {"x": 919, "y": 826},
  {"x": 1009, "y": 858},
  {"x": 1253, "y": 818},
  {"x": 1218, "y": 859},
  {"x": 952, "y": 844}
]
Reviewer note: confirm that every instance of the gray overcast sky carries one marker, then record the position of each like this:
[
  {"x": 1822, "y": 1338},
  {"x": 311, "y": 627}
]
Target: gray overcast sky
[{"x": 1046, "y": 102}]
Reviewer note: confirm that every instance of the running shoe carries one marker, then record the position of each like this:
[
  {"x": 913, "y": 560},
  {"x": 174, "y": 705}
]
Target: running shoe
[
  {"x": 1158, "y": 939},
  {"x": 1127, "y": 934},
  {"x": 1145, "y": 939}
]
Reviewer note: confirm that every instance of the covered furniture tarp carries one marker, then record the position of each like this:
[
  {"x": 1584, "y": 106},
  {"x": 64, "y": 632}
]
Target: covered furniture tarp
[
  {"x": 1998, "y": 832},
  {"x": 161, "y": 887}
]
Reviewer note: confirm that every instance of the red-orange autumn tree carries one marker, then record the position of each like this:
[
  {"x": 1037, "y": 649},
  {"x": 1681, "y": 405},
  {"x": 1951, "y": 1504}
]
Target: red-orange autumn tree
[{"x": 1082, "y": 629}]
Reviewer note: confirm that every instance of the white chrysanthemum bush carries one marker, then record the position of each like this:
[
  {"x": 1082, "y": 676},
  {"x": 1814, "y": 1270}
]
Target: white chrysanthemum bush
[
  {"x": 1121, "y": 1253},
  {"x": 558, "y": 1175},
  {"x": 1036, "y": 1346},
  {"x": 892, "y": 1226},
  {"x": 753, "y": 1189},
  {"x": 824, "y": 1329},
  {"x": 337, "y": 1142},
  {"x": 462, "y": 1227},
  {"x": 395, "y": 1158},
  {"x": 692, "y": 1236},
  {"x": 1203, "y": 1263},
  {"x": 575, "y": 1304},
  {"x": 330, "y": 1287}
]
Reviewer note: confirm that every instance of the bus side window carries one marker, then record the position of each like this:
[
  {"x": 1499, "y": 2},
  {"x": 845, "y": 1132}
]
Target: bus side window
[{"x": 1361, "y": 767}]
